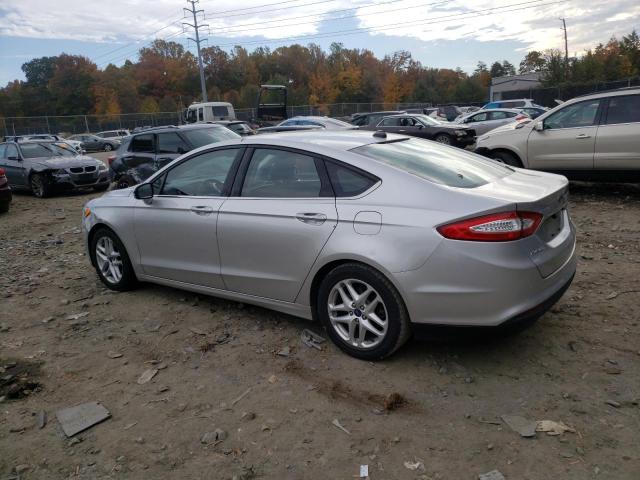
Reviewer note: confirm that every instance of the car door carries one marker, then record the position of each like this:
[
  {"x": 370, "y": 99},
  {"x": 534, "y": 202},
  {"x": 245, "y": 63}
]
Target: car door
[
  {"x": 567, "y": 140},
  {"x": 618, "y": 138},
  {"x": 13, "y": 166},
  {"x": 480, "y": 122},
  {"x": 499, "y": 118},
  {"x": 141, "y": 155},
  {"x": 176, "y": 231},
  {"x": 390, "y": 124},
  {"x": 169, "y": 146},
  {"x": 273, "y": 227},
  {"x": 93, "y": 142}
]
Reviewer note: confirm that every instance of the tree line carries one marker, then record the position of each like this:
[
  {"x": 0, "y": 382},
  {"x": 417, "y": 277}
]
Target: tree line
[{"x": 165, "y": 77}]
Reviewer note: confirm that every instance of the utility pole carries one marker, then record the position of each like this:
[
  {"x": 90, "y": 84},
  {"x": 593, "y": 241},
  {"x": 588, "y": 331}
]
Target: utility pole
[
  {"x": 566, "y": 45},
  {"x": 197, "y": 41}
]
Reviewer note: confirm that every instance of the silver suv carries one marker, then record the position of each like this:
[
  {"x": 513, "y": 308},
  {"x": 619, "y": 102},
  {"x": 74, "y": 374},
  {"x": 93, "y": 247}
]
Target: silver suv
[{"x": 588, "y": 135}]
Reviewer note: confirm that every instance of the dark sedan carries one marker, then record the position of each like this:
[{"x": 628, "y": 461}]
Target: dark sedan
[
  {"x": 94, "y": 143},
  {"x": 47, "y": 167},
  {"x": 5, "y": 191},
  {"x": 423, "y": 126}
]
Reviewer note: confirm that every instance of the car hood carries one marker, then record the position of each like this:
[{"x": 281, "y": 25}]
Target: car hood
[
  {"x": 120, "y": 192},
  {"x": 67, "y": 162},
  {"x": 507, "y": 128}
]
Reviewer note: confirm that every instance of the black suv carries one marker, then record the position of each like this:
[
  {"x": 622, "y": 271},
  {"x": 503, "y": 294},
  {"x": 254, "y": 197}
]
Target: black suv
[{"x": 144, "y": 153}]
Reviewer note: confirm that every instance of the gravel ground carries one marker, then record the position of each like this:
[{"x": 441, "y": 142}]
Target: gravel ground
[{"x": 238, "y": 395}]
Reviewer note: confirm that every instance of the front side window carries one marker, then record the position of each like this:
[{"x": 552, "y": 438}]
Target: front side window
[
  {"x": 3, "y": 149},
  {"x": 436, "y": 163},
  {"x": 201, "y": 114},
  {"x": 203, "y": 175},
  {"x": 281, "y": 174},
  {"x": 582, "y": 114},
  {"x": 623, "y": 109},
  {"x": 142, "y": 143},
  {"x": 481, "y": 117},
  {"x": 499, "y": 115},
  {"x": 12, "y": 151},
  {"x": 348, "y": 182},
  {"x": 171, "y": 143}
]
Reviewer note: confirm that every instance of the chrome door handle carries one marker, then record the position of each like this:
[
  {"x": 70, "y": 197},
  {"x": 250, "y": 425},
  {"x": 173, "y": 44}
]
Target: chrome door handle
[
  {"x": 401, "y": 130},
  {"x": 583, "y": 135},
  {"x": 202, "y": 210},
  {"x": 312, "y": 218}
]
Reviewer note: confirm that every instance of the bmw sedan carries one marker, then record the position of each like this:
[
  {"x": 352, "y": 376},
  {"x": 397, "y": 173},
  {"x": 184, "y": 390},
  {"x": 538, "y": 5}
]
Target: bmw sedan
[{"x": 367, "y": 232}]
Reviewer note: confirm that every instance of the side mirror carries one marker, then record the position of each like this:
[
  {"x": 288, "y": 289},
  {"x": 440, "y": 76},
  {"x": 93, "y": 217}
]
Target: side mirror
[
  {"x": 14, "y": 158},
  {"x": 539, "y": 126},
  {"x": 143, "y": 191}
]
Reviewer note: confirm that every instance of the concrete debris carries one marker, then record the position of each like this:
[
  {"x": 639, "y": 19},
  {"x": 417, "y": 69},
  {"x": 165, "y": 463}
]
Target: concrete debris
[
  {"x": 114, "y": 354},
  {"x": 76, "y": 316},
  {"x": 147, "y": 375},
  {"x": 417, "y": 464},
  {"x": 526, "y": 428},
  {"x": 285, "y": 352},
  {"x": 81, "y": 417},
  {"x": 492, "y": 475},
  {"x": 311, "y": 339},
  {"x": 217, "y": 436},
  {"x": 41, "y": 419}
]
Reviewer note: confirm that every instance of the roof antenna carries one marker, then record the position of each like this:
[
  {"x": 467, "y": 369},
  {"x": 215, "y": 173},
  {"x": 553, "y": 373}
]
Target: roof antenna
[{"x": 380, "y": 134}]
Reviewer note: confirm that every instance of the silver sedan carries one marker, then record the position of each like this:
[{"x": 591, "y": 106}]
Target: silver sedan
[{"x": 369, "y": 233}]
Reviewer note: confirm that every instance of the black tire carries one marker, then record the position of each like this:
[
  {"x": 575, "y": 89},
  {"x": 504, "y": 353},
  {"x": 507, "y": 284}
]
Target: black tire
[
  {"x": 444, "y": 139},
  {"x": 40, "y": 185},
  {"x": 506, "y": 158},
  {"x": 125, "y": 181},
  {"x": 107, "y": 147},
  {"x": 398, "y": 329},
  {"x": 128, "y": 280},
  {"x": 101, "y": 188},
  {"x": 4, "y": 207}
]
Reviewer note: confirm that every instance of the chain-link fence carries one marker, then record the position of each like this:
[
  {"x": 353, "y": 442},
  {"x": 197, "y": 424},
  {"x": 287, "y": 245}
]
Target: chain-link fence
[
  {"x": 547, "y": 96},
  {"x": 70, "y": 124}
]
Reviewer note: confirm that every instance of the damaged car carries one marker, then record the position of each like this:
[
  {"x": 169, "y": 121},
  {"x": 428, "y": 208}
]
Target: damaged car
[
  {"x": 144, "y": 153},
  {"x": 46, "y": 168}
]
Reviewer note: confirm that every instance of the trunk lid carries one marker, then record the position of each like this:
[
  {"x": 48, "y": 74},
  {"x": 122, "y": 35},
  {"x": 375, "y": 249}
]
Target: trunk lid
[{"x": 544, "y": 193}]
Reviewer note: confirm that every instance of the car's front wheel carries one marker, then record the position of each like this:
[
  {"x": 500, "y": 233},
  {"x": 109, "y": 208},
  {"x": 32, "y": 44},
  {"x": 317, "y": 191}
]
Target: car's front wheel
[
  {"x": 443, "y": 138},
  {"x": 506, "y": 157},
  {"x": 362, "y": 312},
  {"x": 107, "y": 147},
  {"x": 111, "y": 261},
  {"x": 40, "y": 186}
]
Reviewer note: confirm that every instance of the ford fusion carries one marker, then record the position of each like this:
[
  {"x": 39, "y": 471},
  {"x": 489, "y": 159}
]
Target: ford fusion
[{"x": 370, "y": 233}]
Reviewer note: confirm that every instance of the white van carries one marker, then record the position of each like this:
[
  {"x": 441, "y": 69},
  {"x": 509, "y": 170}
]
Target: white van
[{"x": 209, "y": 112}]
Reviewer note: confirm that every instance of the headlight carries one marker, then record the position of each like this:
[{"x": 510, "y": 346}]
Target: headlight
[{"x": 102, "y": 167}]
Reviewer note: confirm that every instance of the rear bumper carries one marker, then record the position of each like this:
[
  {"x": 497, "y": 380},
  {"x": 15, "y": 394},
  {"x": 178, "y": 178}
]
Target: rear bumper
[
  {"x": 483, "y": 284},
  {"x": 5, "y": 196}
]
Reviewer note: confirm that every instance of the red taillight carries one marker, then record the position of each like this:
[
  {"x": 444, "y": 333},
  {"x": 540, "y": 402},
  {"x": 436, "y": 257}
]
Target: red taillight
[
  {"x": 521, "y": 116},
  {"x": 2, "y": 172},
  {"x": 111, "y": 159},
  {"x": 497, "y": 227}
]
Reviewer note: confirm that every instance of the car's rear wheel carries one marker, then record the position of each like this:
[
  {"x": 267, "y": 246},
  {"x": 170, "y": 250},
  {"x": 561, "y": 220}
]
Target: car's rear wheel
[
  {"x": 111, "y": 261},
  {"x": 507, "y": 158},
  {"x": 101, "y": 188},
  {"x": 107, "y": 147},
  {"x": 40, "y": 185},
  {"x": 443, "y": 138},
  {"x": 362, "y": 312}
]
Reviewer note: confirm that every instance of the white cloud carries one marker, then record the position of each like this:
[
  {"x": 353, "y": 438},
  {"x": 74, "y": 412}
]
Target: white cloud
[{"x": 125, "y": 21}]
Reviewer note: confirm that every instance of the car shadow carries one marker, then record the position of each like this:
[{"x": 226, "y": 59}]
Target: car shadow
[{"x": 603, "y": 189}]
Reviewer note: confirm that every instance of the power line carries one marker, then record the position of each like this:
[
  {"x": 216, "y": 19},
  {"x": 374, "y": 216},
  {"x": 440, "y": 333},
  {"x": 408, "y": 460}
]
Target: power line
[
  {"x": 226, "y": 30},
  {"x": 274, "y": 9},
  {"x": 131, "y": 52},
  {"x": 264, "y": 5},
  {"x": 392, "y": 26}
]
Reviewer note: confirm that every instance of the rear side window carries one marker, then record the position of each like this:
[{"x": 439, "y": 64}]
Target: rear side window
[
  {"x": 436, "y": 163},
  {"x": 11, "y": 152},
  {"x": 481, "y": 117},
  {"x": 142, "y": 143},
  {"x": 3, "y": 148},
  {"x": 624, "y": 109},
  {"x": 171, "y": 143},
  {"x": 281, "y": 174},
  {"x": 499, "y": 115},
  {"x": 220, "y": 111},
  {"x": 348, "y": 182},
  {"x": 390, "y": 122}
]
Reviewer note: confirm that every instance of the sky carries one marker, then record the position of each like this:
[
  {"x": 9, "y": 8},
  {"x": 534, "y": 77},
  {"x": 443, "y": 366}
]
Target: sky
[{"x": 439, "y": 33}]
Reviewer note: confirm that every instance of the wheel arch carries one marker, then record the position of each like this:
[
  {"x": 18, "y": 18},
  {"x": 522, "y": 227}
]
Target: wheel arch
[
  {"x": 324, "y": 270},
  {"x": 92, "y": 233}
]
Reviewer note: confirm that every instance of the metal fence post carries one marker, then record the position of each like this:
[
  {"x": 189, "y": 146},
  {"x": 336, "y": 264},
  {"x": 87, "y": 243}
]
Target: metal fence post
[{"x": 86, "y": 123}]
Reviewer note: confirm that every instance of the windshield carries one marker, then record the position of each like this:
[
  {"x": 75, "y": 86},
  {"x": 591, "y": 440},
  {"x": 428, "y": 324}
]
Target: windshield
[
  {"x": 239, "y": 127},
  {"x": 204, "y": 136},
  {"x": 427, "y": 120},
  {"x": 337, "y": 123},
  {"x": 36, "y": 150},
  {"x": 436, "y": 163}
]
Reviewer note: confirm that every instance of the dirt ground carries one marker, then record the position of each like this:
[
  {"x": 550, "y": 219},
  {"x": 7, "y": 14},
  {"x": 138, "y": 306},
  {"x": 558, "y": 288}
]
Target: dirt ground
[{"x": 65, "y": 340}]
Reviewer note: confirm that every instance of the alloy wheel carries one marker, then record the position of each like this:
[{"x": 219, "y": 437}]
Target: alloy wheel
[
  {"x": 107, "y": 148},
  {"x": 357, "y": 313},
  {"x": 109, "y": 260},
  {"x": 37, "y": 186},
  {"x": 443, "y": 139}
]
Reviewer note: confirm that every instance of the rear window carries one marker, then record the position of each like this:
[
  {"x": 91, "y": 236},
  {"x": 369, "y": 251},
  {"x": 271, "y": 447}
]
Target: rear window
[
  {"x": 436, "y": 163},
  {"x": 142, "y": 143},
  {"x": 199, "y": 137}
]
